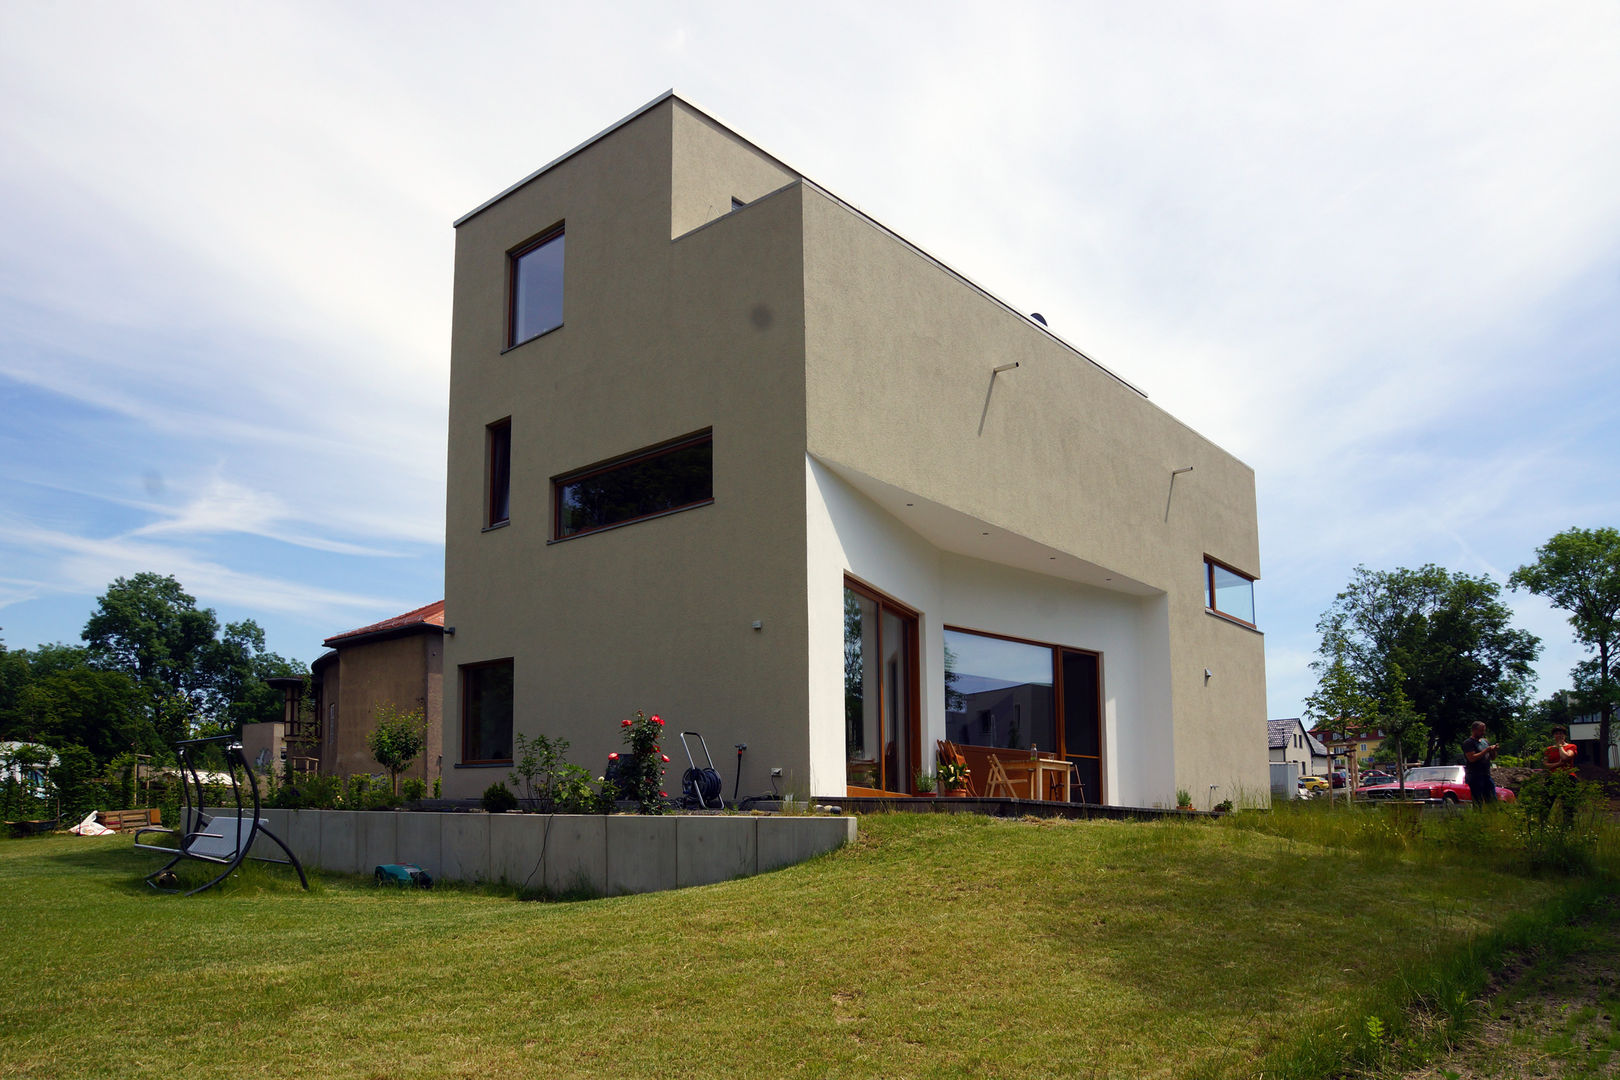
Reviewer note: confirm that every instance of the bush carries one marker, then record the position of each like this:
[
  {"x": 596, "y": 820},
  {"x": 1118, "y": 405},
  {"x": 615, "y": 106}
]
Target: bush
[
  {"x": 412, "y": 788},
  {"x": 73, "y": 777},
  {"x": 120, "y": 777},
  {"x": 572, "y": 793},
  {"x": 498, "y": 798},
  {"x": 640, "y": 773},
  {"x": 356, "y": 791},
  {"x": 1553, "y": 811}
]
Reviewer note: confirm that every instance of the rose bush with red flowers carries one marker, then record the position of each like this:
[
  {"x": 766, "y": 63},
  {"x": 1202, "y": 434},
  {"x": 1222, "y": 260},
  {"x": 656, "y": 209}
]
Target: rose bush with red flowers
[{"x": 640, "y": 773}]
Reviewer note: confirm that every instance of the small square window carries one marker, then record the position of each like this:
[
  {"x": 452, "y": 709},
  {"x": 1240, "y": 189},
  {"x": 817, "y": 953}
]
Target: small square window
[
  {"x": 486, "y": 713},
  {"x": 537, "y": 288},
  {"x": 1228, "y": 591},
  {"x": 498, "y": 472}
]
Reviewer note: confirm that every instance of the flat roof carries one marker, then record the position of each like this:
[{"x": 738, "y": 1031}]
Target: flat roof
[{"x": 869, "y": 219}]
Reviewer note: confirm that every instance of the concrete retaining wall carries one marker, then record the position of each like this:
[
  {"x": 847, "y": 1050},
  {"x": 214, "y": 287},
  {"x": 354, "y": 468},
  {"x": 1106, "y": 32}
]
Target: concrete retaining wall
[{"x": 558, "y": 852}]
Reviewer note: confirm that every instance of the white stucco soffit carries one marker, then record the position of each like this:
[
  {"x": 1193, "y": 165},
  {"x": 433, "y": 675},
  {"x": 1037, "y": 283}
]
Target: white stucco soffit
[{"x": 951, "y": 530}]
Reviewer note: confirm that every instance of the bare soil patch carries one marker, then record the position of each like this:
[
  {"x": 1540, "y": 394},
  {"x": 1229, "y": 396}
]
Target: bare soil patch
[{"x": 1548, "y": 1018}]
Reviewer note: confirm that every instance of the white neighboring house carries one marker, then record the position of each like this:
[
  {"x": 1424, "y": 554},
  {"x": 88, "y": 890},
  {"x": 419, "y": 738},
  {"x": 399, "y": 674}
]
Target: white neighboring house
[
  {"x": 1290, "y": 752},
  {"x": 1584, "y": 731},
  {"x": 1321, "y": 759}
]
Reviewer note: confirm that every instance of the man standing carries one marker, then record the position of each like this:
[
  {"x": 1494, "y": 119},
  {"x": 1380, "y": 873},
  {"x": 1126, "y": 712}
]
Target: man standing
[{"x": 1477, "y": 757}]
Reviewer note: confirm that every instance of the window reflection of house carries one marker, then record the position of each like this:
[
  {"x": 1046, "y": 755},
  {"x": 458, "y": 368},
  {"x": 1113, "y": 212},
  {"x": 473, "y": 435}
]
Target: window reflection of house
[{"x": 1003, "y": 714}]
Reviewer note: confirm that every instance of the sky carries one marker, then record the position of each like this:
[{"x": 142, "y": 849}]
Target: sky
[{"x": 1371, "y": 249}]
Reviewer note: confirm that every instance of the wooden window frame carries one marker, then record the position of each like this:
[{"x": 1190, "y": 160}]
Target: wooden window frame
[
  {"x": 492, "y": 474},
  {"x": 651, "y": 453},
  {"x": 555, "y": 232},
  {"x": 1060, "y": 702},
  {"x": 1210, "y": 563},
  {"x": 463, "y": 671},
  {"x": 914, "y": 663}
]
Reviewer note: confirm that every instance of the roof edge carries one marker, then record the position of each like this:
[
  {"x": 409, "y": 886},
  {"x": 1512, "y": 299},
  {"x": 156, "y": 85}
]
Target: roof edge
[
  {"x": 554, "y": 162},
  {"x": 828, "y": 195}
]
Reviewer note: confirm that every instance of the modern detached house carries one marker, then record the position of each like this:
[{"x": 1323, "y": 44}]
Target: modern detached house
[{"x": 724, "y": 448}]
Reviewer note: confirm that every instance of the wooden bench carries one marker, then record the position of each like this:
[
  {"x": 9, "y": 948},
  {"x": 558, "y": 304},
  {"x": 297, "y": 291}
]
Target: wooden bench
[{"x": 129, "y": 820}]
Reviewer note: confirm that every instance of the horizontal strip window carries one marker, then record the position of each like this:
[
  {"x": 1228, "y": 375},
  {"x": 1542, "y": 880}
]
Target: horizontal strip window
[
  {"x": 1228, "y": 592},
  {"x": 649, "y": 483}
]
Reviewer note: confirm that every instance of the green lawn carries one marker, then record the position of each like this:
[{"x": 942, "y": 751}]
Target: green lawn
[{"x": 948, "y": 945}]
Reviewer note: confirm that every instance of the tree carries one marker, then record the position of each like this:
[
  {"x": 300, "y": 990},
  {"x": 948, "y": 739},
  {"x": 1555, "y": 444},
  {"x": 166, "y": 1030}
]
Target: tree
[
  {"x": 1440, "y": 639},
  {"x": 1579, "y": 571},
  {"x": 195, "y": 678},
  {"x": 396, "y": 740},
  {"x": 1340, "y": 703},
  {"x": 53, "y": 695}
]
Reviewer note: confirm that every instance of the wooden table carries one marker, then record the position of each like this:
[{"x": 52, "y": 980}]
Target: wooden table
[{"x": 1060, "y": 770}]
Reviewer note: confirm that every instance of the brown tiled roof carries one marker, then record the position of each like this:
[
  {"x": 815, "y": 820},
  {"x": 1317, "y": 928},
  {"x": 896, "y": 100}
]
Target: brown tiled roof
[{"x": 427, "y": 615}]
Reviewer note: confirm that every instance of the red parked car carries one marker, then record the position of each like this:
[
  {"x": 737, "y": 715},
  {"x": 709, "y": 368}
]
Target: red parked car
[{"x": 1435, "y": 784}]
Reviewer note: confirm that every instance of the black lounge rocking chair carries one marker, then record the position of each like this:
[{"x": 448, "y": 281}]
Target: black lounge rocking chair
[{"x": 223, "y": 839}]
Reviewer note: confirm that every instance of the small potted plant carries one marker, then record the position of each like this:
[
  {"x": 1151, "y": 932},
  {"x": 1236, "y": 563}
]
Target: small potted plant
[
  {"x": 925, "y": 783},
  {"x": 1183, "y": 799},
  {"x": 953, "y": 777}
]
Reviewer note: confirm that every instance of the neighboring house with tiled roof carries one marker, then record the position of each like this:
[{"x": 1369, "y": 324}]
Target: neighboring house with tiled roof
[
  {"x": 1289, "y": 747},
  {"x": 397, "y": 662},
  {"x": 1321, "y": 758},
  {"x": 1349, "y": 741}
]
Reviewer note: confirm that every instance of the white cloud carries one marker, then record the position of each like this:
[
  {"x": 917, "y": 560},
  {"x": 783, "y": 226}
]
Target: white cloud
[
  {"x": 85, "y": 565},
  {"x": 1369, "y": 248}
]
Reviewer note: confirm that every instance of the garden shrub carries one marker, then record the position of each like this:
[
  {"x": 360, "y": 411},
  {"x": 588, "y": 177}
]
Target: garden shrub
[
  {"x": 412, "y": 788},
  {"x": 498, "y": 798},
  {"x": 73, "y": 777},
  {"x": 1555, "y": 820},
  {"x": 356, "y": 791},
  {"x": 640, "y": 773},
  {"x": 120, "y": 778}
]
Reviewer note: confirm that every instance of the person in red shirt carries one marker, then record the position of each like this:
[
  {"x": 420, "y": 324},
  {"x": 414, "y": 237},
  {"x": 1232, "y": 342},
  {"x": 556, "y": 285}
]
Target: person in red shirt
[{"x": 1560, "y": 756}]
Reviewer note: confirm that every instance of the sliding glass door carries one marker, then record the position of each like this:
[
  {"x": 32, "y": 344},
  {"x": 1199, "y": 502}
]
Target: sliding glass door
[
  {"x": 1016, "y": 695},
  {"x": 881, "y": 738}
]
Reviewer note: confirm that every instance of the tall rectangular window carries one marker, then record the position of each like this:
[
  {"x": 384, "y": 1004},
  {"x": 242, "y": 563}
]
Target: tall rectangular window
[
  {"x": 498, "y": 469},
  {"x": 882, "y": 725},
  {"x": 1228, "y": 591},
  {"x": 659, "y": 480},
  {"x": 537, "y": 288},
  {"x": 486, "y": 713}
]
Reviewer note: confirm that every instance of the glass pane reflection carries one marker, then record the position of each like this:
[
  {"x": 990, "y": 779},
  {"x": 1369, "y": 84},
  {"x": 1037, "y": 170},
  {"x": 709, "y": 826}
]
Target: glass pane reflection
[{"x": 998, "y": 693}]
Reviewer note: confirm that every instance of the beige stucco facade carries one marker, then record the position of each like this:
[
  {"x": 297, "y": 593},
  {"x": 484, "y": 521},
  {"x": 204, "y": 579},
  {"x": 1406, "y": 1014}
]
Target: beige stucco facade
[
  {"x": 403, "y": 672},
  {"x": 858, "y": 434}
]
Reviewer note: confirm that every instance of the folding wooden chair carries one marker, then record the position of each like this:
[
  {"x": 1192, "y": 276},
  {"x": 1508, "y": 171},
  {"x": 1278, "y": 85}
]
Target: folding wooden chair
[{"x": 998, "y": 780}]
